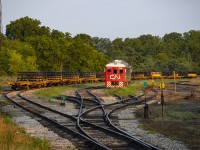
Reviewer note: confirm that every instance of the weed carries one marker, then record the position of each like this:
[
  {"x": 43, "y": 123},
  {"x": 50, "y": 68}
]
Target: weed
[
  {"x": 182, "y": 115},
  {"x": 8, "y": 120},
  {"x": 180, "y": 122},
  {"x": 13, "y": 137},
  {"x": 51, "y": 91},
  {"x": 58, "y": 90},
  {"x": 124, "y": 91},
  {"x": 3, "y": 102},
  {"x": 1, "y": 88},
  {"x": 44, "y": 144}
]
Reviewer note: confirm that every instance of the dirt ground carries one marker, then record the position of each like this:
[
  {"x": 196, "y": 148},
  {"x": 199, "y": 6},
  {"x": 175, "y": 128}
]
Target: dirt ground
[{"x": 181, "y": 114}]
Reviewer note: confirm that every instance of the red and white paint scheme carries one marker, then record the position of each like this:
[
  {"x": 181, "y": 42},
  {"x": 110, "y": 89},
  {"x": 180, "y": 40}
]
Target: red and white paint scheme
[{"x": 117, "y": 74}]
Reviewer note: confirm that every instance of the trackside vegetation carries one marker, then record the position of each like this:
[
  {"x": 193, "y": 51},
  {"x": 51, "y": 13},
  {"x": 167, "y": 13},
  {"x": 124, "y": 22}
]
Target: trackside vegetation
[
  {"x": 28, "y": 46},
  {"x": 180, "y": 121},
  {"x": 52, "y": 91},
  {"x": 13, "y": 137},
  {"x": 60, "y": 90},
  {"x": 132, "y": 89}
]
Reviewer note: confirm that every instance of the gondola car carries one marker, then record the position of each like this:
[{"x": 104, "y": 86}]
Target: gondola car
[{"x": 117, "y": 74}]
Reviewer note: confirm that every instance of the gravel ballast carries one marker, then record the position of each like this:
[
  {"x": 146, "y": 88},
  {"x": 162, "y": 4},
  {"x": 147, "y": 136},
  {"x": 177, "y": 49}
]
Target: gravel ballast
[
  {"x": 35, "y": 128},
  {"x": 130, "y": 124}
]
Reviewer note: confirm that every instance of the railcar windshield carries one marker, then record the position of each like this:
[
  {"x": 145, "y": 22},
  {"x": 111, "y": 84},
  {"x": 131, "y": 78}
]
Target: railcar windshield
[
  {"x": 121, "y": 71},
  {"x": 115, "y": 71}
]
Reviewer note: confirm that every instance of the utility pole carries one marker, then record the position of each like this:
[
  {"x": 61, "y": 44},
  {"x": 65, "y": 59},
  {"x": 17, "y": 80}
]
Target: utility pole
[
  {"x": 174, "y": 74},
  {"x": 162, "y": 86},
  {"x": 0, "y": 25}
]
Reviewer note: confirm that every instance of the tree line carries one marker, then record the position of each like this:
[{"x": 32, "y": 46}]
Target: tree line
[{"x": 28, "y": 46}]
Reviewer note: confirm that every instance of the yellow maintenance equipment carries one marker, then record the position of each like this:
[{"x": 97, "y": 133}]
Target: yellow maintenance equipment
[
  {"x": 156, "y": 75},
  {"x": 162, "y": 84},
  {"x": 192, "y": 75},
  {"x": 152, "y": 83}
]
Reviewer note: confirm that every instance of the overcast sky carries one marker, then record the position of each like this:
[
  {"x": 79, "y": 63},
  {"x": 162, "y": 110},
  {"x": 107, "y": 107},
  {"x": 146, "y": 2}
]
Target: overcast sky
[{"x": 108, "y": 18}]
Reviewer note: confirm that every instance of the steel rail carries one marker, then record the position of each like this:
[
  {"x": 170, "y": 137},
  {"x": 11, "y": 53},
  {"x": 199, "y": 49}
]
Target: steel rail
[
  {"x": 96, "y": 144},
  {"x": 78, "y": 121},
  {"x": 118, "y": 134},
  {"x": 78, "y": 118},
  {"x": 138, "y": 101}
]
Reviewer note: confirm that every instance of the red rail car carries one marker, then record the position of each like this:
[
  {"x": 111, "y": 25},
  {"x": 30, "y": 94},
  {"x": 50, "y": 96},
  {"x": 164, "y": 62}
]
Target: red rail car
[{"x": 117, "y": 74}]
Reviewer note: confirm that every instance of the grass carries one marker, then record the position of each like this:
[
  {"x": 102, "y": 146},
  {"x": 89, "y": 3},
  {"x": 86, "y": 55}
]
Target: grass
[
  {"x": 195, "y": 80},
  {"x": 1, "y": 88},
  {"x": 136, "y": 86},
  {"x": 59, "y": 90},
  {"x": 4, "y": 80},
  {"x": 3, "y": 102},
  {"x": 183, "y": 115},
  {"x": 52, "y": 91},
  {"x": 13, "y": 137},
  {"x": 124, "y": 91}
]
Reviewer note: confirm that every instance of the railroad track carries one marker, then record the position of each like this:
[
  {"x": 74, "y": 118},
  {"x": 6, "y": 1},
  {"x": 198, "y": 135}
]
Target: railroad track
[
  {"x": 185, "y": 88},
  {"x": 92, "y": 123},
  {"x": 61, "y": 121},
  {"x": 96, "y": 124}
]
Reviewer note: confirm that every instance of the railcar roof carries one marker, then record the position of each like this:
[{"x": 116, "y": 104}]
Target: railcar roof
[{"x": 118, "y": 63}]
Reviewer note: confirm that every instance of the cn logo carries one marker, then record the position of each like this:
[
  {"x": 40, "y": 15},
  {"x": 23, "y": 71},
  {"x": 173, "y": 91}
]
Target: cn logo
[{"x": 114, "y": 76}]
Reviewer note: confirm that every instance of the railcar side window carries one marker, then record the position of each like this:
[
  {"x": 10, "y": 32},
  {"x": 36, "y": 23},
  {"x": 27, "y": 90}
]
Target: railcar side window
[
  {"x": 109, "y": 70},
  {"x": 121, "y": 71},
  {"x": 115, "y": 71}
]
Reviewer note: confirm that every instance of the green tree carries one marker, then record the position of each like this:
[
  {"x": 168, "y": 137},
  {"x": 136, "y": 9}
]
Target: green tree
[
  {"x": 43, "y": 47},
  {"x": 68, "y": 37},
  {"x": 118, "y": 44},
  {"x": 84, "y": 38},
  {"x": 149, "y": 64},
  {"x": 15, "y": 62},
  {"x": 52, "y": 54},
  {"x": 4, "y": 61},
  {"x": 16, "y": 56},
  {"x": 44, "y": 31},
  {"x": 102, "y": 44},
  {"x": 30, "y": 64},
  {"x": 163, "y": 57},
  {"x": 150, "y": 44},
  {"x": 22, "y": 28},
  {"x": 59, "y": 54},
  {"x": 55, "y": 34},
  {"x": 174, "y": 43},
  {"x": 52, "y": 50},
  {"x": 83, "y": 57},
  {"x": 192, "y": 46}
]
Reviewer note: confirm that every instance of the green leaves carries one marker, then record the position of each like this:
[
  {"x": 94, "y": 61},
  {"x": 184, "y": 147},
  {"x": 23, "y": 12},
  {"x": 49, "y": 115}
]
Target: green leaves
[
  {"x": 22, "y": 28},
  {"x": 84, "y": 58},
  {"x": 17, "y": 56},
  {"x": 31, "y": 47},
  {"x": 15, "y": 62}
]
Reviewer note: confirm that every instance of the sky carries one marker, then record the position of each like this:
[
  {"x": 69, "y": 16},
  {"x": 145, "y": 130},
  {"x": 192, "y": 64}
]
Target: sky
[{"x": 108, "y": 18}]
